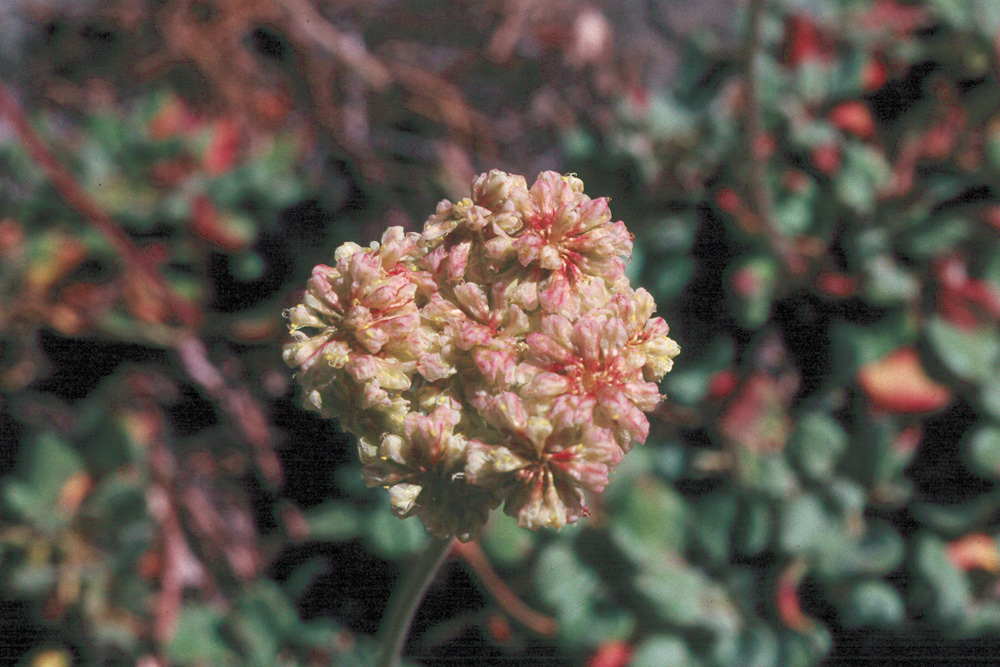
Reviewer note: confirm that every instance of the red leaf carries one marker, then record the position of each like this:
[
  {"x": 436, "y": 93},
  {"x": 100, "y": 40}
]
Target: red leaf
[
  {"x": 611, "y": 654},
  {"x": 836, "y": 284},
  {"x": 221, "y": 154},
  {"x": 854, "y": 118},
  {"x": 974, "y": 552},
  {"x": 899, "y": 385},
  {"x": 804, "y": 42}
]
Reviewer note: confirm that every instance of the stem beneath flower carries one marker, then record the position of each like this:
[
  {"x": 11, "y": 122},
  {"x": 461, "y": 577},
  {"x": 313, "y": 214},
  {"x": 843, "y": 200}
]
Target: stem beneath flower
[{"x": 406, "y": 599}]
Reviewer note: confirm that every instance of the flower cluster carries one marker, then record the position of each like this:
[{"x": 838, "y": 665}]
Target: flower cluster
[{"x": 500, "y": 355}]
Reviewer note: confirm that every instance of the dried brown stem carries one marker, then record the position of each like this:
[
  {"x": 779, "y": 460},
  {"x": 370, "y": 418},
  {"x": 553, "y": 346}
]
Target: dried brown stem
[
  {"x": 474, "y": 557},
  {"x": 348, "y": 49},
  {"x": 761, "y": 194},
  {"x": 77, "y": 198}
]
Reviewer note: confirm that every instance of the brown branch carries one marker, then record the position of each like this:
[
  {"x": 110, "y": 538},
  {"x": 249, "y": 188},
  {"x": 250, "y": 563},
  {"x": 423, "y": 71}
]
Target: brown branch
[
  {"x": 246, "y": 416},
  {"x": 348, "y": 49},
  {"x": 474, "y": 557},
  {"x": 78, "y": 199},
  {"x": 761, "y": 193}
]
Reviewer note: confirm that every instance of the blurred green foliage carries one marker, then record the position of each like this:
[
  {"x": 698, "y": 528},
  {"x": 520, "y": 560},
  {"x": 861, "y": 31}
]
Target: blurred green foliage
[{"x": 822, "y": 478}]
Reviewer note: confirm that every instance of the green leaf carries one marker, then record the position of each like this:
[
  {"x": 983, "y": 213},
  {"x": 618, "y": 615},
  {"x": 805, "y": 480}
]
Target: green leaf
[
  {"x": 663, "y": 651},
  {"x": 941, "y": 590},
  {"x": 887, "y": 283},
  {"x": 332, "y": 521},
  {"x": 863, "y": 173},
  {"x": 592, "y": 625},
  {"x": 45, "y": 467},
  {"x": 983, "y": 451},
  {"x": 768, "y": 474},
  {"x": 650, "y": 522},
  {"x": 671, "y": 277},
  {"x": 198, "y": 637},
  {"x": 927, "y": 242},
  {"x": 817, "y": 444},
  {"x": 759, "y": 647},
  {"x": 803, "y": 524},
  {"x": 873, "y": 604},
  {"x": 970, "y": 355},
  {"x": 505, "y": 541},
  {"x": 753, "y": 529},
  {"x": 391, "y": 537},
  {"x": 562, "y": 581},
  {"x": 794, "y": 214},
  {"x": 712, "y": 528}
]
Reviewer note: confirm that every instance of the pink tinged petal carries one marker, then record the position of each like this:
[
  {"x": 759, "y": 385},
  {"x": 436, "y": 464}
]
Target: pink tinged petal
[
  {"x": 321, "y": 291},
  {"x": 496, "y": 366},
  {"x": 399, "y": 325},
  {"x": 439, "y": 310},
  {"x": 644, "y": 306},
  {"x": 362, "y": 367},
  {"x": 300, "y": 317},
  {"x": 591, "y": 475},
  {"x": 470, "y": 335},
  {"x": 490, "y": 465},
  {"x": 592, "y": 213},
  {"x": 587, "y": 340},
  {"x": 569, "y": 410},
  {"x": 345, "y": 252},
  {"x": 544, "y": 504},
  {"x": 645, "y": 395},
  {"x": 373, "y": 396},
  {"x": 555, "y": 293},
  {"x": 559, "y": 328},
  {"x": 371, "y": 338},
  {"x": 547, "y": 350},
  {"x": 434, "y": 367},
  {"x": 550, "y": 259},
  {"x": 493, "y": 189},
  {"x": 660, "y": 353},
  {"x": 506, "y": 412},
  {"x": 395, "y": 448},
  {"x": 426, "y": 285},
  {"x": 613, "y": 337},
  {"x": 306, "y": 351},
  {"x": 365, "y": 268},
  {"x": 547, "y": 385},
  {"x": 499, "y": 246},
  {"x": 434, "y": 261},
  {"x": 528, "y": 247},
  {"x": 357, "y": 318},
  {"x": 473, "y": 298},
  {"x": 390, "y": 292},
  {"x": 458, "y": 260},
  {"x": 537, "y": 430},
  {"x": 402, "y": 497},
  {"x": 621, "y": 415}
]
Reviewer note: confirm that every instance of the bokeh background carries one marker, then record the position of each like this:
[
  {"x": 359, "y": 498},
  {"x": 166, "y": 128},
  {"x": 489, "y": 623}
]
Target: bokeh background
[{"x": 814, "y": 189}]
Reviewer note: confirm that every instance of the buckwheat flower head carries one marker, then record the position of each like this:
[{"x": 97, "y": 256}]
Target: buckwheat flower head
[{"x": 498, "y": 356}]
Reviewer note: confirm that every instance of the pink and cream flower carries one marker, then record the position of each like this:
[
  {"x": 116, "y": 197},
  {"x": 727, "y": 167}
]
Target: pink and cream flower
[{"x": 541, "y": 468}]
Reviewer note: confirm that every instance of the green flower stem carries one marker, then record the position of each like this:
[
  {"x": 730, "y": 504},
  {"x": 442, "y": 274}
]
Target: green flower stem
[{"x": 406, "y": 599}]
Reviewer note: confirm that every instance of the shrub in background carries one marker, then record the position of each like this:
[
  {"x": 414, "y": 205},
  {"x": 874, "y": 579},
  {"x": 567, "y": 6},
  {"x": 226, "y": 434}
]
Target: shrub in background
[{"x": 823, "y": 477}]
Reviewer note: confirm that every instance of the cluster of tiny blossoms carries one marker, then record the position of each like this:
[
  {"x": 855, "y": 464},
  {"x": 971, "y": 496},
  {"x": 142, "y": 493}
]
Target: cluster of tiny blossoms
[{"x": 498, "y": 356}]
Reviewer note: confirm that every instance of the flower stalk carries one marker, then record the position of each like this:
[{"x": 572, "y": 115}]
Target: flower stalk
[{"x": 407, "y": 598}]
